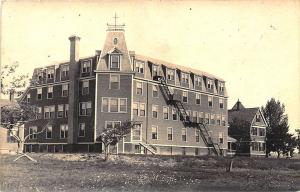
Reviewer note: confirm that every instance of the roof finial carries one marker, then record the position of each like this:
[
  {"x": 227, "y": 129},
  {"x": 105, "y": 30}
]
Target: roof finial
[{"x": 115, "y": 27}]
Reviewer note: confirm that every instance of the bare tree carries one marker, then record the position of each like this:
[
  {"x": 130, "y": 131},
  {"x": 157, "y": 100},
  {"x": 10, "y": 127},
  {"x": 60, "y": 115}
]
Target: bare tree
[{"x": 112, "y": 135}]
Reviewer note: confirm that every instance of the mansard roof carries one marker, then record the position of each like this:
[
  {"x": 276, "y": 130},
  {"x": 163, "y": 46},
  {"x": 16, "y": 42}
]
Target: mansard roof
[{"x": 175, "y": 66}]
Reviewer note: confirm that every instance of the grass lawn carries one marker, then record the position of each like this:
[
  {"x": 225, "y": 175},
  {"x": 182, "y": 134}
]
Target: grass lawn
[{"x": 87, "y": 172}]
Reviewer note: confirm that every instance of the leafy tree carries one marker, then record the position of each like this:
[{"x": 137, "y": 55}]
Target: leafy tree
[
  {"x": 111, "y": 136},
  {"x": 277, "y": 137}
]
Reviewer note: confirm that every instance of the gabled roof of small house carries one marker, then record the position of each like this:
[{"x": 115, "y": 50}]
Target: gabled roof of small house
[
  {"x": 246, "y": 114},
  {"x": 238, "y": 111}
]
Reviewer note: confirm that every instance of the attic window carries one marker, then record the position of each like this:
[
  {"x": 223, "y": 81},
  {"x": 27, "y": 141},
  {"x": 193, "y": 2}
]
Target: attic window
[
  {"x": 115, "y": 41},
  {"x": 114, "y": 62}
]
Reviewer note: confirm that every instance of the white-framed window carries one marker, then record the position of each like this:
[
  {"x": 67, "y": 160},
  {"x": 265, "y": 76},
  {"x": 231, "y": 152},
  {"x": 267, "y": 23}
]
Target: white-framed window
[
  {"x": 221, "y": 137},
  {"x": 65, "y": 90},
  {"x": 66, "y": 110},
  {"x": 154, "y": 70},
  {"x": 154, "y": 130},
  {"x": 139, "y": 109},
  {"x": 60, "y": 111},
  {"x": 258, "y": 118},
  {"x": 210, "y": 84},
  {"x": 262, "y": 132},
  {"x": 28, "y": 98},
  {"x": 32, "y": 132},
  {"x": 114, "y": 105},
  {"x": 50, "y": 92},
  {"x": 86, "y": 66},
  {"x": 39, "y": 113},
  {"x": 49, "y": 132},
  {"x": 139, "y": 66},
  {"x": 142, "y": 109},
  {"x": 183, "y": 134},
  {"x": 112, "y": 124},
  {"x": 49, "y": 112},
  {"x": 198, "y": 99},
  {"x": 171, "y": 74},
  {"x": 50, "y": 73},
  {"x": 189, "y": 114},
  {"x": 136, "y": 132},
  {"x": 212, "y": 119},
  {"x": 166, "y": 113},
  {"x": 253, "y": 131},
  {"x": 198, "y": 81},
  {"x": 207, "y": 118},
  {"x": 85, "y": 87},
  {"x": 195, "y": 116},
  {"x": 210, "y": 101},
  {"x": 85, "y": 108},
  {"x": 123, "y": 105},
  {"x": 114, "y": 81},
  {"x": 39, "y": 93},
  {"x": 64, "y": 71},
  {"x": 185, "y": 78},
  {"x": 184, "y": 96},
  {"x": 174, "y": 114},
  {"x": 155, "y": 111},
  {"x": 155, "y": 91},
  {"x": 40, "y": 74},
  {"x": 139, "y": 88},
  {"x": 64, "y": 131},
  {"x": 170, "y": 133},
  {"x": 201, "y": 117},
  {"x": 221, "y": 87},
  {"x": 196, "y": 151},
  {"x": 223, "y": 121},
  {"x": 221, "y": 102},
  {"x": 81, "y": 132},
  {"x": 197, "y": 134},
  {"x": 135, "y": 109},
  {"x": 115, "y": 60},
  {"x": 219, "y": 120}
]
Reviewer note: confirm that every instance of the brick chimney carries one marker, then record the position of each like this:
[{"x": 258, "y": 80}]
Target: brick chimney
[{"x": 74, "y": 67}]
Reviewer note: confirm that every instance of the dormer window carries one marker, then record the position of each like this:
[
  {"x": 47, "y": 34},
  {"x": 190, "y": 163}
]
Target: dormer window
[
  {"x": 50, "y": 73},
  {"x": 139, "y": 66},
  {"x": 210, "y": 84},
  {"x": 221, "y": 87},
  {"x": 65, "y": 71},
  {"x": 86, "y": 66},
  {"x": 258, "y": 118},
  {"x": 115, "y": 62},
  {"x": 171, "y": 74},
  {"x": 198, "y": 81},
  {"x": 40, "y": 74},
  {"x": 154, "y": 70},
  {"x": 185, "y": 78}
]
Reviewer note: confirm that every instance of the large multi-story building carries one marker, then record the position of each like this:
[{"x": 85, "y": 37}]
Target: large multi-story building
[{"x": 84, "y": 95}]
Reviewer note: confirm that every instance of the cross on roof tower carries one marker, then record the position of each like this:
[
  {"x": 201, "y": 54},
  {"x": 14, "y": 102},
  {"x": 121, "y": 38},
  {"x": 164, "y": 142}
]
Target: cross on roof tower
[{"x": 115, "y": 27}]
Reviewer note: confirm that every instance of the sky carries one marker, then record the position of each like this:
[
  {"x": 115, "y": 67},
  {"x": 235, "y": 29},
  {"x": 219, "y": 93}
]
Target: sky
[{"x": 253, "y": 45}]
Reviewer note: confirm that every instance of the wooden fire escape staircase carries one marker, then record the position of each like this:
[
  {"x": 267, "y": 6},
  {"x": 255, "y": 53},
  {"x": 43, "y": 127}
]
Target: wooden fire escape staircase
[{"x": 185, "y": 118}]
